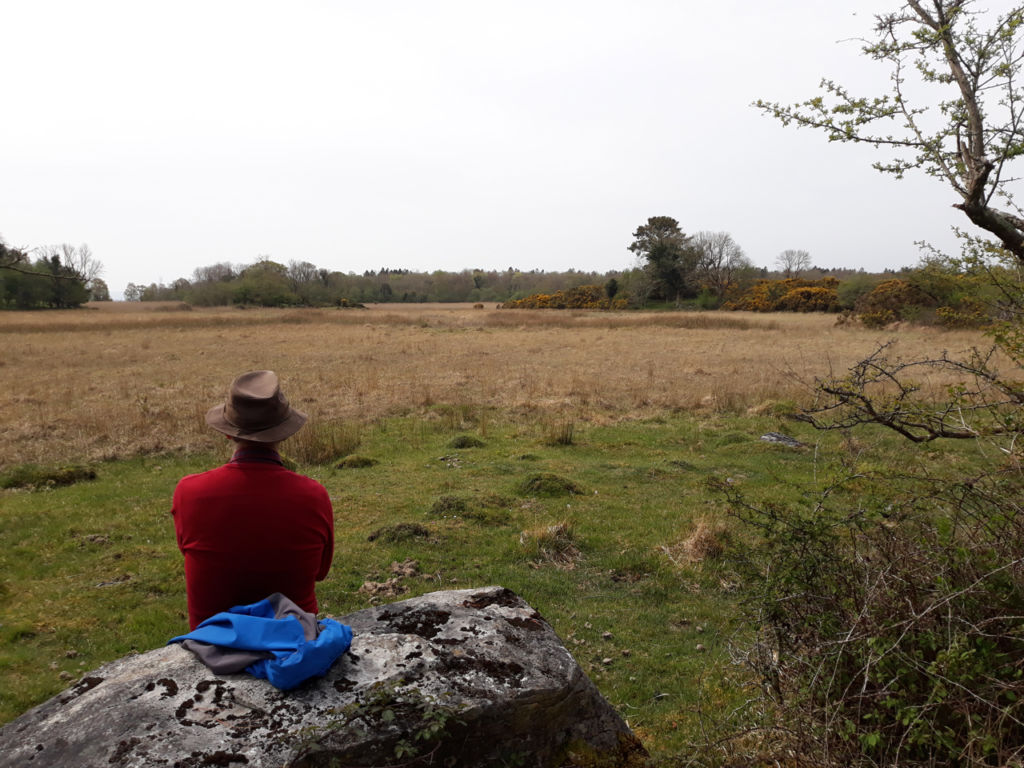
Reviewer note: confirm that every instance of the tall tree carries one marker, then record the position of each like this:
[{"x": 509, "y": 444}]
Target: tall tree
[
  {"x": 720, "y": 261},
  {"x": 979, "y": 127},
  {"x": 670, "y": 259},
  {"x": 792, "y": 262}
]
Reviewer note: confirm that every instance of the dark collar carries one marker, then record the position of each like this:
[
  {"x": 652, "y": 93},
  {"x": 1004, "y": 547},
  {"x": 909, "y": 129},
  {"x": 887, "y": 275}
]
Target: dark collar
[{"x": 256, "y": 455}]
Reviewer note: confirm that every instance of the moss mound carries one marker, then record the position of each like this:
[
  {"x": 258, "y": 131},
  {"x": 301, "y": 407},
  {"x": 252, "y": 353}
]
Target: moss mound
[
  {"x": 449, "y": 504},
  {"x": 488, "y": 509},
  {"x": 465, "y": 441},
  {"x": 29, "y": 475},
  {"x": 356, "y": 462},
  {"x": 393, "y": 534},
  {"x": 549, "y": 484}
]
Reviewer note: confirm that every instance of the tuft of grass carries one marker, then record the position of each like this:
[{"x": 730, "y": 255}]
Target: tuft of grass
[
  {"x": 553, "y": 544},
  {"x": 31, "y": 476},
  {"x": 706, "y": 541},
  {"x": 465, "y": 441},
  {"x": 559, "y": 432},
  {"x": 321, "y": 442},
  {"x": 393, "y": 534},
  {"x": 356, "y": 462},
  {"x": 549, "y": 484}
]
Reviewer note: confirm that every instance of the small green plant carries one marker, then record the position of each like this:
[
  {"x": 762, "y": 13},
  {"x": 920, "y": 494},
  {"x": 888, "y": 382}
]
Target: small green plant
[{"x": 420, "y": 715}]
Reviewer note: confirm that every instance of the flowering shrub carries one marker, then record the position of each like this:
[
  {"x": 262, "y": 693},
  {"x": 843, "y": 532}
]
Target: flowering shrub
[
  {"x": 968, "y": 313},
  {"x": 584, "y": 297},
  {"x": 792, "y": 295}
]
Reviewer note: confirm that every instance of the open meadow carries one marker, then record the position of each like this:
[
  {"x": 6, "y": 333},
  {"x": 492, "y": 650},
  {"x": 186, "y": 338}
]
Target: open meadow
[
  {"x": 114, "y": 383},
  {"x": 629, "y": 561}
]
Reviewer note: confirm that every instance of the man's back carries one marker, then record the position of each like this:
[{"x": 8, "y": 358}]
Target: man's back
[{"x": 249, "y": 529}]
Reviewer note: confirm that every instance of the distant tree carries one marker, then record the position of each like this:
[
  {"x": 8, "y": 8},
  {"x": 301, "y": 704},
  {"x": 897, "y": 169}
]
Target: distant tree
[
  {"x": 221, "y": 272},
  {"x": 611, "y": 288},
  {"x": 385, "y": 292},
  {"x": 98, "y": 290},
  {"x": 720, "y": 261},
  {"x": 133, "y": 292},
  {"x": 791, "y": 263},
  {"x": 670, "y": 259},
  {"x": 301, "y": 273}
]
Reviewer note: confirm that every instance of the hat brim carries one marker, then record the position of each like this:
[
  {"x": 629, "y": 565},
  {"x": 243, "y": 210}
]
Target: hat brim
[{"x": 215, "y": 418}]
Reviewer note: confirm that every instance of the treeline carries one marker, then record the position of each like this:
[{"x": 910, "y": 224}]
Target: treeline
[
  {"x": 301, "y": 283},
  {"x": 51, "y": 277}
]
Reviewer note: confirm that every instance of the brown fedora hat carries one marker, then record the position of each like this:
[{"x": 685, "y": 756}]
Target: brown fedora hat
[{"x": 256, "y": 410}]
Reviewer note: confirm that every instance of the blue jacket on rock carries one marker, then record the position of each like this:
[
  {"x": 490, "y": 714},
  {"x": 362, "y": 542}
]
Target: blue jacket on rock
[{"x": 272, "y": 640}]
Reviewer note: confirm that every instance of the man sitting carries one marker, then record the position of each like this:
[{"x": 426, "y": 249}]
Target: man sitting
[{"x": 251, "y": 528}]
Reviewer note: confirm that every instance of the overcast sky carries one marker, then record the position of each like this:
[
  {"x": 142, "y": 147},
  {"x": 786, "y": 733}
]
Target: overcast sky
[{"x": 438, "y": 135}]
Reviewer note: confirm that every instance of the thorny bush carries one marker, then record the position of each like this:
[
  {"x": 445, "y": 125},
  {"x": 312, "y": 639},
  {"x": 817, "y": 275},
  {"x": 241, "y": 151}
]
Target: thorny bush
[{"x": 891, "y": 632}]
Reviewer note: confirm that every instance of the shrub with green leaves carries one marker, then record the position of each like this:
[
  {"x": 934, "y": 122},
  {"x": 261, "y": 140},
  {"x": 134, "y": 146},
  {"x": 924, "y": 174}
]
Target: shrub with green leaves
[{"x": 890, "y": 632}]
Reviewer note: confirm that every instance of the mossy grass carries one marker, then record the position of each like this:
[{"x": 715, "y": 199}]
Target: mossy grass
[
  {"x": 31, "y": 476},
  {"x": 466, "y": 441},
  {"x": 93, "y": 567},
  {"x": 356, "y": 462}
]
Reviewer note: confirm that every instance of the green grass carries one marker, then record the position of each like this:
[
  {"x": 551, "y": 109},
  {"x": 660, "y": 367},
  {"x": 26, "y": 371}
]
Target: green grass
[{"x": 643, "y": 485}]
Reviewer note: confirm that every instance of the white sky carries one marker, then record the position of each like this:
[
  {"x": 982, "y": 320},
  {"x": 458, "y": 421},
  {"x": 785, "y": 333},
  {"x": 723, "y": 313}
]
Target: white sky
[{"x": 438, "y": 135}]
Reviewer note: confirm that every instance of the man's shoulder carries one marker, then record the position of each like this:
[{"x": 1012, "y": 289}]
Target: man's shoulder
[
  {"x": 200, "y": 477},
  {"x": 307, "y": 483}
]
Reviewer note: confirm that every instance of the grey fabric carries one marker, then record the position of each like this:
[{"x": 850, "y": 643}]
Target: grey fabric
[{"x": 227, "y": 661}]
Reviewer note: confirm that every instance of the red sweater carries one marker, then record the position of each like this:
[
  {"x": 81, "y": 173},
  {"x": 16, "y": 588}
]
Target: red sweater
[{"x": 249, "y": 529}]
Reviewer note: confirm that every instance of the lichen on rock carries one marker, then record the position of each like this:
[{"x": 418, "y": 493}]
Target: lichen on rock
[{"x": 484, "y": 652}]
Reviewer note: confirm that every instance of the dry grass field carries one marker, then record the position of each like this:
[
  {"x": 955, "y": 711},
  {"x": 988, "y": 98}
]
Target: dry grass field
[{"x": 128, "y": 379}]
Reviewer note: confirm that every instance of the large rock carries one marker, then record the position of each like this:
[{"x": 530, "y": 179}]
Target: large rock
[{"x": 482, "y": 654}]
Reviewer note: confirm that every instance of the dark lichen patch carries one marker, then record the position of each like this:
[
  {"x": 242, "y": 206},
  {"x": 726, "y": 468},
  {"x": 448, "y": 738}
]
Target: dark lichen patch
[
  {"x": 204, "y": 685},
  {"x": 32, "y": 476},
  {"x": 549, "y": 484},
  {"x": 393, "y": 534},
  {"x": 82, "y": 686},
  {"x": 356, "y": 462},
  {"x": 344, "y": 685},
  {"x": 465, "y": 441},
  {"x": 530, "y": 625},
  {"x": 505, "y": 598},
  {"x": 170, "y": 687},
  {"x": 507, "y": 672},
  {"x": 426, "y": 623},
  {"x": 220, "y": 758},
  {"x": 528, "y": 457},
  {"x": 123, "y": 749}
]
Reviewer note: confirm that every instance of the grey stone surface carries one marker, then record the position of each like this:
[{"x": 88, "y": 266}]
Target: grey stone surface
[
  {"x": 484, "y": 652},
  {"x": 781, "y": 439}
]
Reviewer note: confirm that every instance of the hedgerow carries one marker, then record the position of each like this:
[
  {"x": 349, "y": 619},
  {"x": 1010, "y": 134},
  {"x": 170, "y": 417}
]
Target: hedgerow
[{"x": 584, "y": 297}]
